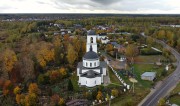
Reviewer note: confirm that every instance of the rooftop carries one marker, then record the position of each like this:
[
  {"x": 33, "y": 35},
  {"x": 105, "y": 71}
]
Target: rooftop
[
  {"x": 91, "y": 54},
  {"x": 91, "y": 32},
  {"x": 149, "y": 74}
]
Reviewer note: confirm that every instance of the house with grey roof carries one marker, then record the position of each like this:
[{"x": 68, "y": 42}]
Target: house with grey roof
[{"x": 148, "y": 76}]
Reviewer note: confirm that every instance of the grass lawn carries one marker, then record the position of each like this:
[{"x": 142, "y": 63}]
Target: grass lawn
[
  {"x": 175, "y": 99},
  {"x": 142, "y": 88},
  {"x": 139, "y": 69},
  {"x": 113, "y": 78},
  {"x": 129, "y": 98},
  {"x": 149, "y": 58}
]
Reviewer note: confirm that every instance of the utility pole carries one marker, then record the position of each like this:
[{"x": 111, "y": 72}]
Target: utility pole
[{"x": 116, "y": 55}]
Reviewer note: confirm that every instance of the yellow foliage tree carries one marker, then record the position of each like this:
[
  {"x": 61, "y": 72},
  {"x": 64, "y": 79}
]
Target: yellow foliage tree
[
  {"x": 45, "y": 53},
  {"x": 162, "y": 102},
  {"x": 17, "y": 90},
  {"x": 56, "y": 41},
  {"x": 63, "y": 72},
  {"x": 99, "y": 95},
  {"x": 114, "y": 92},
  {"x": 18, "y": 98},
  {"x": 77, "y": 44},
  {"x": 71, "y": 54},
  {"x": 33, "y": 88},
  {"x": 31, "y": 99},
  {"x": 9, "y": 59},
  {"x": 61, "y": 102},
  {"x": 131, "y": 51}
]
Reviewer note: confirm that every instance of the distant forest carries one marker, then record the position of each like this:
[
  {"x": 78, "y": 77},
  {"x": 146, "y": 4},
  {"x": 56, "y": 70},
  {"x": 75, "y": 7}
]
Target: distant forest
[{"x": 79, "y": 16}]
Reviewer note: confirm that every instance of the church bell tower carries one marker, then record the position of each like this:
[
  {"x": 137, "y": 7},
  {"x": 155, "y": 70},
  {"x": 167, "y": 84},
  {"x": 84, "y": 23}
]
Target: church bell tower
[{"x": 91, "y": 41}]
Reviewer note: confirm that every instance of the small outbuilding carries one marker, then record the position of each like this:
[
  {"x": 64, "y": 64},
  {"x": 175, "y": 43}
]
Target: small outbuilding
[{"x": 148, "y": 76}]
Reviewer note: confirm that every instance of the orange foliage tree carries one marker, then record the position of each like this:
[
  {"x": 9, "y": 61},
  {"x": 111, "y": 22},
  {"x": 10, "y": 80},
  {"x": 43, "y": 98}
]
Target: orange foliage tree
[
  {"x": 7, "y": 87},
  {"x": 54, "y": 76},
  {"x": 99, "y": 95}
]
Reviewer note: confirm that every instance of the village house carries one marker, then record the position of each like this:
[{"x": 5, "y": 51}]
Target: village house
[
  {"x": 103, "y": 37},
  {"x": 119, "y": 47},
  {"x": 148, "y": 76}
]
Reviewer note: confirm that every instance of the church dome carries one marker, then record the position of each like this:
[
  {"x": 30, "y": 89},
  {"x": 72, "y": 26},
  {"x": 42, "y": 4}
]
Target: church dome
[{"x": 91, "y": 54}]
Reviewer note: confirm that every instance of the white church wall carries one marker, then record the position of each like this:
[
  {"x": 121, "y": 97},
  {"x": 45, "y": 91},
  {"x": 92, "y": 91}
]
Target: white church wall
[
  {"x": 94, "y": 63},
  {"x": 90, "y": 82},
  {"x": 77, "y": 71},
  {"x": 94, "y": 47},
  {"x": 104, "y": 71},
  {"x": 93, "y": 43},
  {"x": 102, "y": 78}
]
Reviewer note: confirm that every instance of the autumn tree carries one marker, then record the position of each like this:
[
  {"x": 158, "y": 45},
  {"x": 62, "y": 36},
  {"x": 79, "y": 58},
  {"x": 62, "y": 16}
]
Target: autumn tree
[
  {"x": 57, "y": 41},
  {"x": 83, "y": 47},
  {"x": 18, "y": 98},
  {"x": 115, "y": 92},
  {"x": 33, "y": 88},
  {"x": 162, "y": 102},
  {"x": 58, "y": 50},
  {"x": 178, "y": 45},
  {"x": 54, "y": 76},
  {"x": 77, "y": 44},
  {"x": 17, "y": 90},
  {"x": 131, "y": 51},
  {"x": 170, "y": 38},
  {"x": 66, "y": 37},
  {"x": 150, "y": 41},
  {"x": 8, "y": 60},
  {"x": 26, "y": 65},
  {"x": 45, "y": 53},
  {"x": 99, "y": 95},
  {"x": 31, "y": 99},
  {"x": 109, "y": 47},
  {"x": 63, "y": 72},
  {"x": 41, "y": 79},
  {"x": 161, "y": 34},
  {"x": 61, "y": 102},
  {"x": 71, "y": 54},
  {"x": 7, "y": 87},
  {"x": 55, "y": 99}
]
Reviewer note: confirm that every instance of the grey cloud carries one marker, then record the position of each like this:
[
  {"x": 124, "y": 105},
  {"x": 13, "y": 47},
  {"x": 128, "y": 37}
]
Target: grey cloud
[{"x": 105, "y": 2}]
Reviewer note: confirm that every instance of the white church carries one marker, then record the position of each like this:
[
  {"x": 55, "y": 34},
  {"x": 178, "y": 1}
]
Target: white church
[{"x": 91, "y": 70}]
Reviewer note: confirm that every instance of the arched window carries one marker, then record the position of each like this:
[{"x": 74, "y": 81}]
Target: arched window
[
  {"x": 91, "y": 39},
  {"x": 90, "y": 64}
]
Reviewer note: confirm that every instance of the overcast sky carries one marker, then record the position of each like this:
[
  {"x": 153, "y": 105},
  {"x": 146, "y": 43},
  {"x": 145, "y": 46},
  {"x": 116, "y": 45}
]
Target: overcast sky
[{"x": 91, "y": 6}]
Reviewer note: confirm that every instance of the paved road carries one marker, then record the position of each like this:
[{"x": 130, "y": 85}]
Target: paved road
[{"x": 168, "y": 84}]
